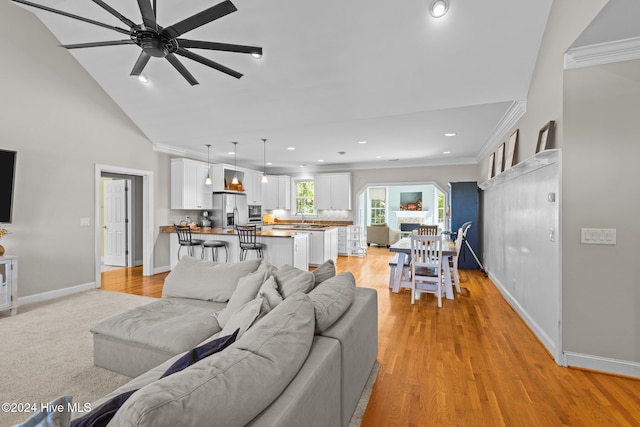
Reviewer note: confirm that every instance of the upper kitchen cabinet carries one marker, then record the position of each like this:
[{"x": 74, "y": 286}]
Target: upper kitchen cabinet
[
  {"x": 333, "y": 191},
  {"x": 188, "y": 190},
  {"x": 253, "y": 187},
  {"x": 277, "y": 193}
]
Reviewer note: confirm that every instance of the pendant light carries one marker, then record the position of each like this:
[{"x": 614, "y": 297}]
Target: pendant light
[
  {"x": 264, "y": 157},
  {"x": 208, "y": 180},
  {"x": 235, "y": 181}
]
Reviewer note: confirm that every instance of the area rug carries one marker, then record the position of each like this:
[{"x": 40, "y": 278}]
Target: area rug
[{"x": 47, "y": 352}]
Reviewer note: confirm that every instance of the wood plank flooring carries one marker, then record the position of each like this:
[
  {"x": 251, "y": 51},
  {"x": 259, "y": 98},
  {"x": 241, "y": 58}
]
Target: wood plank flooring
[{"x": 471, "y": 363}]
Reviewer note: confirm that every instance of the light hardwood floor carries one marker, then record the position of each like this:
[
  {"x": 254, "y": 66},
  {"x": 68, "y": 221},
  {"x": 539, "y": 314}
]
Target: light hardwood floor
[{"x": 471, "y": 363}]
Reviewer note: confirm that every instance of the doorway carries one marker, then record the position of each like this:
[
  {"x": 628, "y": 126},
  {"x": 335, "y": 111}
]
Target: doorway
[{"x": 129, "y": 242}]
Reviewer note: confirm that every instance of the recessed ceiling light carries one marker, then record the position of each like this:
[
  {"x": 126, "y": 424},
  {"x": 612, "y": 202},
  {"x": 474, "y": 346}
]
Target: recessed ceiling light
[
  {"x": 143, "y": 78},
  {"x": 439, "y": 8},
  {"x": 362, "y": 142},
  {"x": 320, "y": 160},
  {"x": 291, "y": 148},
  {"x": 450, "y": 134},
  {"x": 446, "y": 152},
  {"x": 231, "y": 153},
  {"x": 378, "y": 157},
  {"x": 269, "y": 163}
]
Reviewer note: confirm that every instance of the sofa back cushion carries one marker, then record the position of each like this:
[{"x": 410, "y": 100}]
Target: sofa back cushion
[
  {"x": 331, "y": 299},
  {"x": 231, "y": 387},
  {"x": 325, "y": 271},
  {"x": 291, "y": 280},
  {"x": 206, "y": 280}
]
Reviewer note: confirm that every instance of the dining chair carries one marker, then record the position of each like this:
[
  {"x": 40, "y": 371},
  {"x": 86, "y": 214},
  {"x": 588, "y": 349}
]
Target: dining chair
[
  {"x": 428, "y": 230},
  {"x": 185, "y": 239},
  {"x": 248, "y": 241},
  {"x": 426, "y": 266}
]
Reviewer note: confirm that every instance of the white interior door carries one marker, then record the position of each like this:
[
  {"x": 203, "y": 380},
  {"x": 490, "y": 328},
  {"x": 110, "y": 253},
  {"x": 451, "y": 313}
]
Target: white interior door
[{"x": 115, "y": 223}]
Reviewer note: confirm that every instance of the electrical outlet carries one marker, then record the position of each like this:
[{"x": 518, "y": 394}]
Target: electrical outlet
[{"x": 598, "y": 236}]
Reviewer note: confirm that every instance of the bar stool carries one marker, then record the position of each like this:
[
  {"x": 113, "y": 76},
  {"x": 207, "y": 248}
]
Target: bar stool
[
  {"x": 185, "y": 239},
  {"x": 247, "y": 236},
  {"x": 214, "y": 245}
]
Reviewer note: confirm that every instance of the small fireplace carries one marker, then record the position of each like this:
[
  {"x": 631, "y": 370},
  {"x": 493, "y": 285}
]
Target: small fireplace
[{"x": 408, "y": 227}]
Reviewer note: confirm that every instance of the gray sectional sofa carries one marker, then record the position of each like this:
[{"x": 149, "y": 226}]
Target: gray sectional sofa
[{"x": 306, "y": 346}]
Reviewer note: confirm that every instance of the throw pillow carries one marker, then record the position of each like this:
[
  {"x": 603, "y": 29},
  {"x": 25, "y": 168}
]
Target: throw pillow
[
  {"x": 291, "y": 280},
  {"x": 57, "y": 414},
  {"x": 247, "y": 290},
  {"x": 326, "y": 271},
  {"x": 269, "y": 291},
  {"x": 206, "y": 280},
  {"x": 244, "y": 317},
  {"x": 103, "y": 414},
  {"x": 332, "y": 298}
]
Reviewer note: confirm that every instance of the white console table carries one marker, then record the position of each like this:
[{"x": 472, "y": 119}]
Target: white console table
[{"x": 9, "y": 284}]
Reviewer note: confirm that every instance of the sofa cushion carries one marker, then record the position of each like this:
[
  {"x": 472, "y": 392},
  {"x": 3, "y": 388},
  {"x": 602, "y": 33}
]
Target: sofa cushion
[
  {"x": 245, "y": 316},
  {"x": 326, "y": 271},
  {"x": 233, "y": 386},
  {"x": 151, "y": 324},
  {"x": 331, "y": 299},
  {"x": 206, "y": 280},
  {"x": 269, "y": 291},
  {"x": 247, "y": 290},
  {"x": 291, "y": 280}
]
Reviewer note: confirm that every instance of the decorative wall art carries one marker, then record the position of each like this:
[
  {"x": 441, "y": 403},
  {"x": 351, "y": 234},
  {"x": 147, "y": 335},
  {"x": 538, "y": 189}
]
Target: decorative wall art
[
  {"x": 545, "y": 137},
  {"x": 500, "y": 159},
  {"x": 511, "y": 150}
]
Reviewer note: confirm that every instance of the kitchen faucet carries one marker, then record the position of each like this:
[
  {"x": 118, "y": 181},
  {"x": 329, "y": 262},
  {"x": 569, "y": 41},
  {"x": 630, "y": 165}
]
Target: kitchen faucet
[{"x": 302, "y": 215}]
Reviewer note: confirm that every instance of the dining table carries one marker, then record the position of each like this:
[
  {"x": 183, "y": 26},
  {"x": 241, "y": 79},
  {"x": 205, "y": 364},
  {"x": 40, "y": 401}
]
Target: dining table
[{"x": 403, "y": 248}]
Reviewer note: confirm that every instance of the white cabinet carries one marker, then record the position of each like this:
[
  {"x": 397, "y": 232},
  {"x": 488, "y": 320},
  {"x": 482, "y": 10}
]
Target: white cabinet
[
  {"x": 253, "y": 187},
  {"x": 9, "y": 284},
  {"x": 333, "y": 191},
  {"x": 188, "y": 190},
  {"x": 342, "y": 241},
  {"x": 277, "y": 193},
  {"x": 323, "y": 245}
]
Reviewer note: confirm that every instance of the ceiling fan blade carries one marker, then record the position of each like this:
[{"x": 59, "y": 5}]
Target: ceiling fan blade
[
  {"x": 115, "y": 13},
  {"x": 97, "y": 44},
  {"x": 199, "y": 19},
  {"x": 70, "y": 15},
  {"x": 199, "y": 44},
  {"x": 140, "y": 64},
  {"x": 208, "y": 62},
  {"x": 181, "y": 69},
  {"x": 148, "y": 15}
]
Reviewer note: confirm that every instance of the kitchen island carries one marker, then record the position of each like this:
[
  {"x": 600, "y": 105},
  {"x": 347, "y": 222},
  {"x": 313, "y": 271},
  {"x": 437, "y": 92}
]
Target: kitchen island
[
  {"x": 282, "y": 246},
  {"x": 323, "y": 240}
]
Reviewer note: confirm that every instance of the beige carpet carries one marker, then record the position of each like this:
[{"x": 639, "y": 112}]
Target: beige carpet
[{"x": 47, "y": 352}]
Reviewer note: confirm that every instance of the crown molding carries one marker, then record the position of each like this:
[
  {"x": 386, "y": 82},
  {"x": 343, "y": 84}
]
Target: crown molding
[
  {"x": 506, "y": 123},
  {"x": 602, "y": 53}
]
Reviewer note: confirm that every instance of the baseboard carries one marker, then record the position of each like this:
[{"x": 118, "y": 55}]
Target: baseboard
[
  {"x": 162, "y": 269},
  {"x": 44, "y": 296},
  {"x": 546, "y": 340},
  {"x": 602, "y": 364}
]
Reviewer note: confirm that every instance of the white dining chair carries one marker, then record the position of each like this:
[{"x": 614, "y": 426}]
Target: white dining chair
[{"x": 426, "y": 266}]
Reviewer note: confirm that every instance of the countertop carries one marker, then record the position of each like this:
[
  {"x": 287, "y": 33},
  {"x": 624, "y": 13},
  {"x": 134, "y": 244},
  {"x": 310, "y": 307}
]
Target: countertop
[{"x": 220, "y": 231}]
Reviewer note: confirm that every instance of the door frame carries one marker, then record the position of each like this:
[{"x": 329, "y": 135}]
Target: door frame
[{"x": 147, "y": 216}]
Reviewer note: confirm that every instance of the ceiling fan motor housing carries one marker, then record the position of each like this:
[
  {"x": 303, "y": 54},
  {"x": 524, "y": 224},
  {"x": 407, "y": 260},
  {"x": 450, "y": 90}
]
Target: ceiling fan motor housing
[{"x": 152, "y": 43}]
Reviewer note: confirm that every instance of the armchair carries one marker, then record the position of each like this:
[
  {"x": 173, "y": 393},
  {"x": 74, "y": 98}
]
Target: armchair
[{"x": 382, "y": 235}]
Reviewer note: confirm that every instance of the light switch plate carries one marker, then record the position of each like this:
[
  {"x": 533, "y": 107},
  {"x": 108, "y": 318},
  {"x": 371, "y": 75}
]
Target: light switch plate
[
  {"x": 85, "y": 222},
  {"x": 598, "y": 236}
]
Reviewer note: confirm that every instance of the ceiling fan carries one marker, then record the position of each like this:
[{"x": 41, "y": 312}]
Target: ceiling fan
[{"x": 163, "y": 42}]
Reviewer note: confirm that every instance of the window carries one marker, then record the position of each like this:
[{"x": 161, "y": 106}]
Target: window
[
  {"x": 304, "y": 197},
  {"x": 378, "y": 197}
]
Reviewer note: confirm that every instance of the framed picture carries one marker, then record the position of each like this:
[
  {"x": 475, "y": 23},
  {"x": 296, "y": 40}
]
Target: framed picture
[
  {"x": 511, "y": 150},
  {"x": 500, "y": 159},
  {"x": 491, "y": 171},
  {"x": 545, "y": 137}
]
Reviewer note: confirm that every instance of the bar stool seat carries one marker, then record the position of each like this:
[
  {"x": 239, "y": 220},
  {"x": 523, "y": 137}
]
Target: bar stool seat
[{"x": 214, "y": 245}]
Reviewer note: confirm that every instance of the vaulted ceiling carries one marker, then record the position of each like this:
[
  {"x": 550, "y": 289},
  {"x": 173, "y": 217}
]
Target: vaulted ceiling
[{"x": 333, "y": 73}]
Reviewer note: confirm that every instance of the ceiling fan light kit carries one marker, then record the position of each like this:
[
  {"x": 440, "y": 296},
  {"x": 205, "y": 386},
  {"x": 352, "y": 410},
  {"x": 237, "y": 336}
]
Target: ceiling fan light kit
[
  {"x": 439, "y": 8},
  {"x": 163, "y": 42}
]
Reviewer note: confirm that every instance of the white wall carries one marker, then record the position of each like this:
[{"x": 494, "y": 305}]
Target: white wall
[{"x": 62, "y": 123}]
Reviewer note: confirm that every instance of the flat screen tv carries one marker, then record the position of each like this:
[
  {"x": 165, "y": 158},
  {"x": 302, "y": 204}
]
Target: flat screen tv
[{"x": 7, "y": 178}]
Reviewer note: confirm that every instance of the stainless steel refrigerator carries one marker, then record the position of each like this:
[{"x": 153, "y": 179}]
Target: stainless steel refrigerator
[{"x": 229, "y": 209}]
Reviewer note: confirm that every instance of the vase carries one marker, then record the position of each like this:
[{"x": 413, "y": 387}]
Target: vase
[{"x": 1, "y": 250}]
